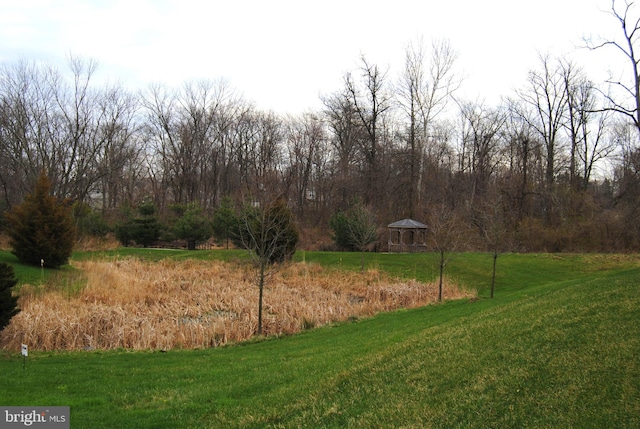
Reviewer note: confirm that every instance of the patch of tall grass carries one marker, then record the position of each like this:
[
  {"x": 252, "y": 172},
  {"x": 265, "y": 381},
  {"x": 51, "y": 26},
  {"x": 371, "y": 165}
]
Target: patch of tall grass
[{"x": 141, "y": 304}]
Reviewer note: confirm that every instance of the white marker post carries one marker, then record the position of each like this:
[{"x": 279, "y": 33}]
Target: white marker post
[{"x": 25, "y": 353}]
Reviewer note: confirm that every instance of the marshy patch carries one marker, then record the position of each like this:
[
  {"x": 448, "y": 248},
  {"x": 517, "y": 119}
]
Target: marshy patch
[{"x": 135, "y": 304}]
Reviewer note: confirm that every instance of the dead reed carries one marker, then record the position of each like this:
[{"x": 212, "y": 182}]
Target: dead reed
[{"x": 196, "y": 304}]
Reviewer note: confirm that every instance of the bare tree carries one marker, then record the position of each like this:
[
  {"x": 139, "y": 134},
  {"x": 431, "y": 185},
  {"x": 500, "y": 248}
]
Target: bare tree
[
  {"x": 343, "y": 123},
  {"x": 586, "y": 123},
  {"x": 181, "y": 127},
  {"x": 270, "y": 235},
  {"x": 119, "y": 158},
  {"x": 480, "y": 144},
  {"x": 627, "y": 180},
  {"x": 225, "y": 176},
  {"x": 21, "y": 123},
  {"x": 625, "y": 14},
  {"x": 79, "y": 137},
  {"x": 524, "y": 159},
  {"x": 627, "y": 171},
  {"x": 306, "y": 142},
  {"x": 424, "y": 91},
  {"x": 542, "y": 105},
  {"x": 445, "y": 234},
  {"x": 492, "y": 221},
  {"x": 257, "y": 144},
  {"x": 371, "y": 99},
  {"x": 62, "y": 124}
]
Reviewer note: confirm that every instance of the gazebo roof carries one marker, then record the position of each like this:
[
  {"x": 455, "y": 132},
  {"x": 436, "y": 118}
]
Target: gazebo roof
[{"x": 407, "y": 223}]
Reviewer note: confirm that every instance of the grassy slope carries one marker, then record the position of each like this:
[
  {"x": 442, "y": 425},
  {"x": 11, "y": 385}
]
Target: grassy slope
[{"x": 557, "y": 347}]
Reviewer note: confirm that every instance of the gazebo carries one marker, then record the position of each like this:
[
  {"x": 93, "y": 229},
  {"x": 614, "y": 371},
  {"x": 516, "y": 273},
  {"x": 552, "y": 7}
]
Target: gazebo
[{"x": 407, "y": 235}]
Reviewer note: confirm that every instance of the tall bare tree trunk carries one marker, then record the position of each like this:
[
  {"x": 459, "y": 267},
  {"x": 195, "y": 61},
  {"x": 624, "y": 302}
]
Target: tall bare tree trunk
[{"x": 261, "y": 286}]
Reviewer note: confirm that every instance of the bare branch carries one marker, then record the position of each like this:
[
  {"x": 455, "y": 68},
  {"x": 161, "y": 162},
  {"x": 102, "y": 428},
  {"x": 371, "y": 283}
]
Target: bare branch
[{"x": 630, "y": 28}]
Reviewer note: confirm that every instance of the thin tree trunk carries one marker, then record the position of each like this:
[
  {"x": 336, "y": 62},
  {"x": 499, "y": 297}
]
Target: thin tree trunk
[
  {"x": 441, "y": 275},
  {"x": 262, "y": 274},
  {"x": 493, "y": 275}
]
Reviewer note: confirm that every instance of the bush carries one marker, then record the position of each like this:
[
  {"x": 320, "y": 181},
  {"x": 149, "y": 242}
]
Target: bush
[
  {"x": 143, "y": 230},
  {"x": 89, "y": 221},
  {"x": 225, "y": 223},
  {"x": 146, "y": 231},
  {"x": 192, "y": 226},
  {"x": 354, "y": 229},
  {"x": 340, "y": 226},
  {"x": 8, "y": 302},
  {"x": 95, "y": 225},
  {"x": 41, "y": 228}
]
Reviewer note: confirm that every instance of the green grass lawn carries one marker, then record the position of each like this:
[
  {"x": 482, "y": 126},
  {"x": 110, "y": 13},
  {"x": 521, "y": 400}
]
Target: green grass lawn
[{"x": 559, "y": 346}]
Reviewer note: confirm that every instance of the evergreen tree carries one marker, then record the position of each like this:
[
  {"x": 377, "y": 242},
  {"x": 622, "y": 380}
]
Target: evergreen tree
[
  {"x": 8, "y": 302},
  {"x": 354, "y": 229},
  {"x": 143, "y": 230},
  {"x": 41, "y": 228},
  {"x": 339, "y": 224},
  {"x": 225, "y": 222},
  {"x": 88, "y": 221},
  {"x": 192, "y": 226}
]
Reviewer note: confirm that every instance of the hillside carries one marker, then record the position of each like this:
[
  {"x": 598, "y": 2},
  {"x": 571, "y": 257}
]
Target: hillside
[{"x": 557, "y": 347}]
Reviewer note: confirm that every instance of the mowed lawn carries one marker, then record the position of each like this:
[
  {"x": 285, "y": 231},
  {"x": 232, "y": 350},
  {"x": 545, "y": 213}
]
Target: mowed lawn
[{"x": 558, "y": 346}]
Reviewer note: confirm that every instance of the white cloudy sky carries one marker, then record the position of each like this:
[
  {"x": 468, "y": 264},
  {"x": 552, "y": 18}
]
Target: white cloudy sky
[{"x": 283, "y": 53}]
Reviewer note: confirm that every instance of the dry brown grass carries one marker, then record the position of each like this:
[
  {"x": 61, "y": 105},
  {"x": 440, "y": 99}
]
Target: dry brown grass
[
  {"x": 4, "y": 241},
  {"x": 195, "y": 304},
  {"x": 108, "y": 242}
]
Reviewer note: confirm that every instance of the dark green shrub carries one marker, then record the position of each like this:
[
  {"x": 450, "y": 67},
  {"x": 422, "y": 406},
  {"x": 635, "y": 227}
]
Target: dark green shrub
[
  {"x": 124, "y": 232},
  {"x": 8, "y": 302},
  {"x": 192, "y": 226},
  {"x": 142, "y": 230},
  {"x": 145, "y": 231},
  {"x": 95, "y": 225},
  {"x": 339, "y": 224},
  {"x": 89, "y": 221},
  {"x": 225, "y": 223},
  {"x": 355, "y": 228}
]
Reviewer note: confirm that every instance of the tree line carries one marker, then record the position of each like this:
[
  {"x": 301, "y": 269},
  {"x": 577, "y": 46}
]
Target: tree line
[{"x": 555, "y": 165}]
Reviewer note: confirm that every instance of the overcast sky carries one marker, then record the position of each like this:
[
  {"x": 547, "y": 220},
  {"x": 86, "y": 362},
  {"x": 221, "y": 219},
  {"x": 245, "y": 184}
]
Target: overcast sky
[{"x": 283, "y": 54}]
